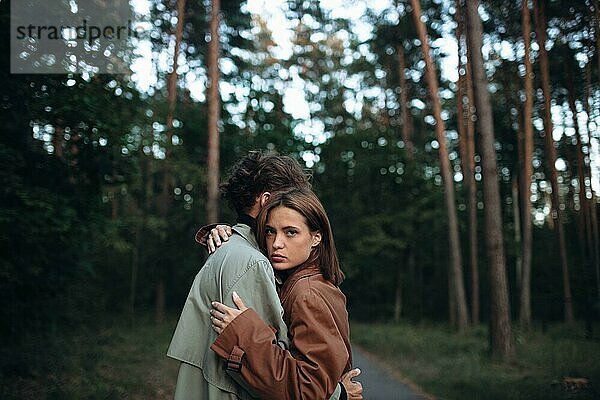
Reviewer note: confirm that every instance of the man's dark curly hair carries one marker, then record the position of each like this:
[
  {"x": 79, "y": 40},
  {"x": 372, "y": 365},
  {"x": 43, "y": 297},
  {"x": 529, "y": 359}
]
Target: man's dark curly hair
[{"x": 258, "y": 172}]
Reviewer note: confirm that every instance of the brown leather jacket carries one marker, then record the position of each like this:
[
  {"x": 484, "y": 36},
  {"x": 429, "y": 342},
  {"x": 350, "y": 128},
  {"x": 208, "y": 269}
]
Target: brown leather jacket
[{"x": 317, "y": 320}]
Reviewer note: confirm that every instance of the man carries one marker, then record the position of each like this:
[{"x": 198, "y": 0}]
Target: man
[{"x": 240, "y": 267}]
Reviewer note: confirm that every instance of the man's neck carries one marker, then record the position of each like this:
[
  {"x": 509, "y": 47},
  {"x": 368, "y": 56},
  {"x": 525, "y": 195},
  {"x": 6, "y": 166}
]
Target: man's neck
[{"x": 248, "y": 220}]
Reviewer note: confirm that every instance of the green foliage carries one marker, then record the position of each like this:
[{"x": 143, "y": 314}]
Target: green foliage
[
  {"x": 455, "y": 366},
  {"x": 83, "y": 160},
  {"x": 113, "y": 359}
]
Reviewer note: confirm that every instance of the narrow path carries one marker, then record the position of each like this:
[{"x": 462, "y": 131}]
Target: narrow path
[{"x": 378, "y": 382}]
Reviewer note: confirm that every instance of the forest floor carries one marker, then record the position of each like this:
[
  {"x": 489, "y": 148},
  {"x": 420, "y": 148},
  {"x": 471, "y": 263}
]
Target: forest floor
[
  {"x": 125, "y": 360},
  {"x": 556, "y": 364},
  {"x": 118, "y": 360}
]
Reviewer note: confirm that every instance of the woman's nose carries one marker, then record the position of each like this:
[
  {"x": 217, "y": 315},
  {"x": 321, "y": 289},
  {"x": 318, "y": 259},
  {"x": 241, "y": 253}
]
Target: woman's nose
[{"x": 277, "y": 243}]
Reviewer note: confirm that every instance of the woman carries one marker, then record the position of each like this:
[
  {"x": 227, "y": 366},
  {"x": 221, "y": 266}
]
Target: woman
[{"x": 295, "y": 233}]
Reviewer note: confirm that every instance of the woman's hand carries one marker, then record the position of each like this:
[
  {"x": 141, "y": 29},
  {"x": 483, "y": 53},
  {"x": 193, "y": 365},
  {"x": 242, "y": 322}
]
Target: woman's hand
[
  {"x": 353, "y": 388},
  {"x": 221, "y": 315},
  {"x": 217, "y": 236}
]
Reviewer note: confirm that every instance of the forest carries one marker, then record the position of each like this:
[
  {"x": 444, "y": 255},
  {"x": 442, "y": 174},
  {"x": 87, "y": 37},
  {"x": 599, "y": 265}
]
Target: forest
[{"x": 454, "y": 144}]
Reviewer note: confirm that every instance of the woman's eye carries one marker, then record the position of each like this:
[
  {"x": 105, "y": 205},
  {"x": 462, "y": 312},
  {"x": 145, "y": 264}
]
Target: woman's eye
[
  {"x": 269, "y": 231},
  {"x": 291, "y": 232}
]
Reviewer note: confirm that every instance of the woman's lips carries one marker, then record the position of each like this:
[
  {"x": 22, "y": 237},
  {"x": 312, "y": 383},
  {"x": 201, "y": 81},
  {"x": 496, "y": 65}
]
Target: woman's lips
[{"x": 277, "y": 258}]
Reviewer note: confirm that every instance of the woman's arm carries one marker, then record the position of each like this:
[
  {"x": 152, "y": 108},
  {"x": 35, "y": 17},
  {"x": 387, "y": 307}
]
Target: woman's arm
[{"x": 319, "y": 351}]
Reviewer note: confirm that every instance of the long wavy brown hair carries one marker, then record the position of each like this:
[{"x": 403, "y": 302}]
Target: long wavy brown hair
[{"x": 307, "y": 204}]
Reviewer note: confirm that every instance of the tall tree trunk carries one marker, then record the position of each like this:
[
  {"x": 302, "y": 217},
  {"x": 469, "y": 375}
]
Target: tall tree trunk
[
  {"x": 594, "y": 219},
  {"x": 517, "y": 226},
  {"x": 398, "y": 296},
  {"x": 500, "y": 324},
  {"x": 407, "y": 126},
  {"x": 452, "y": 304},
  {"x": 214, "y": 114},
  {"x": 385, "y": 111},
  {"x": 468, "y": 141},
  {"x": 147, "y": 185},
  {"x": 597, "y": 30},
  {"x": 160, "y": 301},
  {"x": 540, "y": 23},
  {"x": 460, "y": 96},
  {"x": 58, "y": 140},
  {"x": 584, "y": 215},
  {"x": 114, "y": 202},
  {"x": 135, "y": 266},
  {"x": 172, "y": 80},
  {"x": 592, "y": 197},
  {"x": 165, "y": 198},
  {"x": 456, "y": 271},
  {"x": 527, "y": 175}
]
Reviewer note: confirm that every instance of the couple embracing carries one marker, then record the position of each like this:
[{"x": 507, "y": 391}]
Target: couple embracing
[{"x": 265, "y": 317}]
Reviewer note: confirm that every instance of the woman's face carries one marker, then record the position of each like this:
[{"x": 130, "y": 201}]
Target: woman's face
[{"x": 289, "y": 240}]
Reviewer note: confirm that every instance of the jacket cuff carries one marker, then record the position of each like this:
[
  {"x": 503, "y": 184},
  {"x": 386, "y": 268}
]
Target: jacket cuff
[
  {"x": 343, "y": 393},
  {"x": 234, "y": 361},
  {"x": 203, "y": 232},
  {"x": 245, "y": 327}
]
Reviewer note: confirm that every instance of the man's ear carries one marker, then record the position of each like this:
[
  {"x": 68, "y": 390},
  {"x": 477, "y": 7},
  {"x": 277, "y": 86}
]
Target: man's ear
[
  {"x": 264, "y": 198},
  {"x": 316, "y": 239}
]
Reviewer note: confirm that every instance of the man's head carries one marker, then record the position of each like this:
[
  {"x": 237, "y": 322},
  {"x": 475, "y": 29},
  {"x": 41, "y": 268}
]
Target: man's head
[{"x": 257, "y": 173}]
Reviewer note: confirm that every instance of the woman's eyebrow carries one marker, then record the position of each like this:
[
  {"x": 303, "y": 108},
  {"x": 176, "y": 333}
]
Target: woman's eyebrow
[{"x": 283, "y": 227}]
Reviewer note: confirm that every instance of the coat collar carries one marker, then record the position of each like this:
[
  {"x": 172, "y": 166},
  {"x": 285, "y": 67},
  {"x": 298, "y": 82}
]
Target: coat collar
[
  {"x": 245, "y": 231},
  {"x": 248, "y": 220},
  {"x": 302, "y": 271}
]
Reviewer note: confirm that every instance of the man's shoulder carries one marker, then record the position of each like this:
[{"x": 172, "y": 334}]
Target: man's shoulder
[{"x": 237, "y": 250}]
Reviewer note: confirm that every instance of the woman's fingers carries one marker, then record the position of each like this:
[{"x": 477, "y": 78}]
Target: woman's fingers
[
  {"x": 214, "y": 234},
  {"x": 217, "y": 322},
  {"x": 238, "y": 302},
  {"x": 222, "y": 315},
  {"x": 353, "y": 388},
  {"x": 222, "y": 232},
  {"x": 210, "y": 245},
  {"x": 217, "y": 236},
  {"x": 353, "y": 373},
  {"x": 217, "y": 329},
  {"x": 222, "y": 307},
  {"x": 217, "y": 314}
]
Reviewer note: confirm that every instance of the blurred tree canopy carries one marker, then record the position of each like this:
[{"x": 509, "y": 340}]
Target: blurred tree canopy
[{"x": 82, "y": 159}]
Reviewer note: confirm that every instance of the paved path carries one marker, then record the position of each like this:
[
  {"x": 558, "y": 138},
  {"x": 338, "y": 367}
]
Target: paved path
[{"x": 378, "y": 383}]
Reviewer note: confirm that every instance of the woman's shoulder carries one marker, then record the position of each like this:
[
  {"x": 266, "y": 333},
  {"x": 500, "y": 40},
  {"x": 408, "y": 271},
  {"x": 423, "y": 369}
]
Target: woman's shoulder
[{"x": 316, "y": 287}]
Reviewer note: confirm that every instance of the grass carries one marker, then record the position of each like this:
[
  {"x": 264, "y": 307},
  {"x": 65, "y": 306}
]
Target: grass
[
  {"x": 452, "y": 366},
  {"x": 119, "y": 360}
]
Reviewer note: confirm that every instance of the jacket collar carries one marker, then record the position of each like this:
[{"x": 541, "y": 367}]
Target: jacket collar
[
  {"x": 248, "y": 220},
  {"x": 307, "y": 269},
  {"x": 245, "y": 231}
]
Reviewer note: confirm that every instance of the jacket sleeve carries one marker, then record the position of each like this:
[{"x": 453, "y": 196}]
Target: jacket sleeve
[
  {"x": 312, "y": 373},
  {"x": 202, "y": 233}
]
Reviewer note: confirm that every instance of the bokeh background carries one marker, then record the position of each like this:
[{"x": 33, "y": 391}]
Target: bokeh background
[{"x": 105, "y": 179}]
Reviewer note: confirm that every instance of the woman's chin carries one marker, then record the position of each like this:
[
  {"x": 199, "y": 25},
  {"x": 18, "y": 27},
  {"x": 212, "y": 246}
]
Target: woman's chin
[{"x": 281, "y": 265}]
